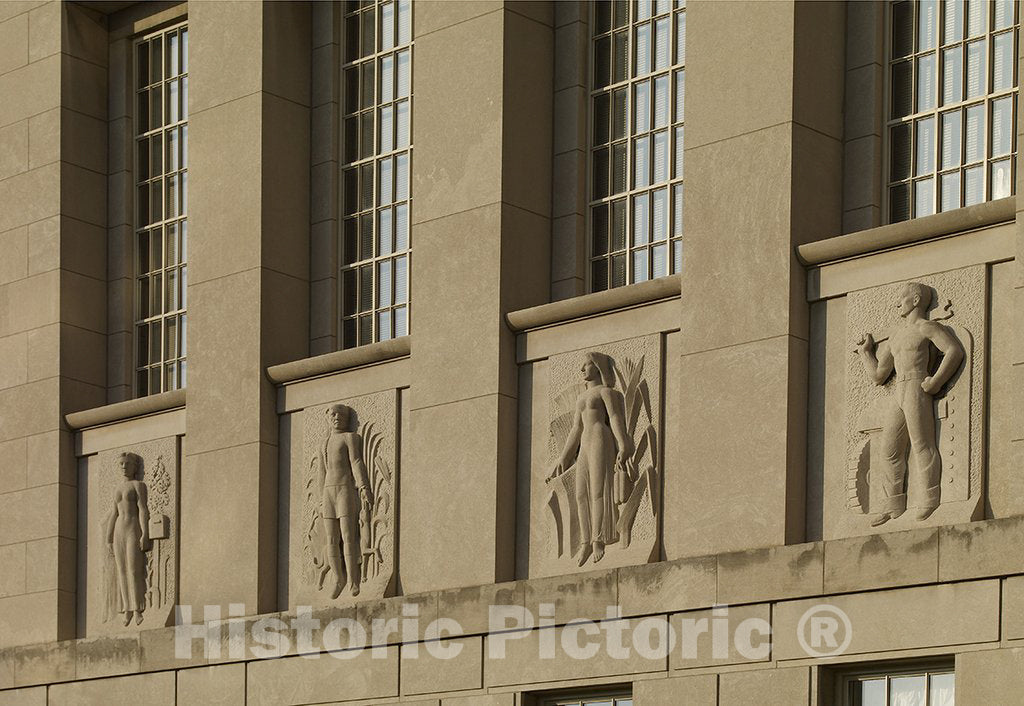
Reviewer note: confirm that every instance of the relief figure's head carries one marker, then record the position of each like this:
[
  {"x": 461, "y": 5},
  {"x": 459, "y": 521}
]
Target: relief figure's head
[
  {"x": 338, "y": 417},
  {"x": 597, "y": 368},
  {"x": 914, "y": 295},
  {"x": 129, "y": 464}
]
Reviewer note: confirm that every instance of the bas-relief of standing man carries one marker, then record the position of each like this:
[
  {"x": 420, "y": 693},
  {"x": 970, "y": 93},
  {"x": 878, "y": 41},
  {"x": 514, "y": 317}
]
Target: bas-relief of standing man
[
  {"x": 346, "y": 491},
  {"x": 601, "y": 447},
  {"x": 908, "y": 352},
  {"x": 127, "y": 535}
]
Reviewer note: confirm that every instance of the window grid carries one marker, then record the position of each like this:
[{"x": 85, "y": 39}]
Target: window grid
[
  {"x": 161, "y": 205},
  {"x": 377, "y": 160},
  {"x": 636, "y": 127},
  {"x": 618, "y": 700},
  {"x": 952, "y": 105},
  {"x": 921, "y": 688}
]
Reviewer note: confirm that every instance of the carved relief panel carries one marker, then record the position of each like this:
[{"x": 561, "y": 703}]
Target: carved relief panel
[
  {"x": 913, "y": 417},
  {"x": 345, "y": 514},
  {"x": 130, "y": 519},
  {"x": 596, "y": 502}
]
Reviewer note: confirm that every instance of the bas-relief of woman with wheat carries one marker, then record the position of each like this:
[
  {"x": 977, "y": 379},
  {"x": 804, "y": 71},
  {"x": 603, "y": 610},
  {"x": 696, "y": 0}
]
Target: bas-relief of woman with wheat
[{"x": 603, "y": 453}]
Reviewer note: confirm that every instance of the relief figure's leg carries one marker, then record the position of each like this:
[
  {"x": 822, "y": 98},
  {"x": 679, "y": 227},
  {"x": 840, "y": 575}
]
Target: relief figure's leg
[
  {"x": 121, "y": 566},
  {"x": 135, "y": 573},
  {"x": 583, "y": 490},
  {"x": 892, "y": 498},
  {"x": 350, "y": 548},
  {"x": 923, "y": 485},
  {"x": 333, "y": 534}
]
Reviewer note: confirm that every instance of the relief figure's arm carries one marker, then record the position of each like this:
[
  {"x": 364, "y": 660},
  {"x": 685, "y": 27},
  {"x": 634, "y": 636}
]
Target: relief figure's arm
[
  {"x": 616, "y": 405},
  {"x": 572, "y": 442},
  {"x": 143, "y": 503},
  {"x": 355, "y": 459},
  {"x": 877, "y": 362},
  {"x": 952, "y": 356}
]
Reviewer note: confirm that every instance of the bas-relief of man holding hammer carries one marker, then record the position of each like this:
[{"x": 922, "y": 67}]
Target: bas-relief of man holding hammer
[{"x": 908, "y": 352}]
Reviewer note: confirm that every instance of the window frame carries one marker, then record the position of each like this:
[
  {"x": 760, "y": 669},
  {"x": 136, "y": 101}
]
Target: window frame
[
  {"x": 887, "y": 122},
  {"x": 846, "y": 678},
  {"x": 670, "y": 184},
  {"x": 340, "y": 267},
  {"x": 160, "y": 29}
]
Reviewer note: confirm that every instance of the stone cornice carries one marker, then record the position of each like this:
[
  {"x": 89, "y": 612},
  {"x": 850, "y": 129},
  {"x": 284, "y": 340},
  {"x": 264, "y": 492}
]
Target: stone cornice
[{"x": 120, "y": 411}]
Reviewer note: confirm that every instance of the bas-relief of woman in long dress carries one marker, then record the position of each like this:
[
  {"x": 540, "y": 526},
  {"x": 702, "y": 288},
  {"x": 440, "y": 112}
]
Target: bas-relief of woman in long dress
[{"x": 127, "y": 535}]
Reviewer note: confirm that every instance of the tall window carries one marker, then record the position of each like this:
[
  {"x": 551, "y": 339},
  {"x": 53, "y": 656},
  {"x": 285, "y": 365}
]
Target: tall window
[
  {"x": 923, "y": 688},
  {"x": 952, "y": 104},
  {"x": 636, "y": 165},
  {"x": 377, "y": 158},
  {"x": 161, "y": 205}
]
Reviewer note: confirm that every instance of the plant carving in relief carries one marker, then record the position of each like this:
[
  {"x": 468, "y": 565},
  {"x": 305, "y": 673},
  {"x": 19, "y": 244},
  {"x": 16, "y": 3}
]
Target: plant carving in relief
[
  {"x": 348, "y": 521},
  {"x": 139, "y": 562},
  {"x": 910, "y": 442},
  {"x": 605, "y": 471}
]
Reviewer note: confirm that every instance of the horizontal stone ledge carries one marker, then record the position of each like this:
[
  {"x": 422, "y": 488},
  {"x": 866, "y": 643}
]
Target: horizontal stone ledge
[
  {"x": 340, "y": 360},
  {"x": 120, "y": 411},
  {"x": 906, "y": 232},
  {"x": 592, "y": 304}
]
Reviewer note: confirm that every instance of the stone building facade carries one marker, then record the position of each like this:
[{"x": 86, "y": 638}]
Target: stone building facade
[{"x": 448, "y": 400}]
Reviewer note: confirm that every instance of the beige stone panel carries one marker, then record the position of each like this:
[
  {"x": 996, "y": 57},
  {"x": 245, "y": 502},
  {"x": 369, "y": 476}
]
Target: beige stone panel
[
  {"x": 1013, "y": 608},
  {"x": 230, "y": 488},
  {"x": 568, "y": 247},
  {"x": 863, "y": 94},
  {"x": 83, "y": 301},
  {"x": 35, "y": 696},
  {"x": 347, "y": 383},
  {"x": 511, "y": 658},
  {"x": 6, "y": 671},
  {"x": 43, "y": 663},
  {"x": 567, "y": 289},
  {"x": 323, "y": 248},
  {"x": 571, "y": 49},
  {"x": 570, "y": 128},
  {"x": 215, "y": 686},
  {"x": 817, "y": 210},
  {"x": 226, "y": 59},
  {"x": 85, "y": 194},
  {"x": 320, "y": 346},
  {"x": 324, "y": 192},
  {"x": 900, "y": 619},
  {"x": 28, "y": 409},
  {"x": 83, "y": 246},
  {"x": 37, "y": 86},
  {"x": 224, "y": 358},
  {"x": 158, "y": 651},
  {"x": 106, "y": 656},
  {"x": 324, "y": 86},
  {"x": 12, "y": 580},
  {"x": 770, "y": 573},
  {"x": 473, "y": 441},
  {"x": 28, "y": 618},
  {"x": 119, "y": 146},
  {"x": 433, "y": 15},
  {"x": 44, "y": 137},
  {"x": 864, "y": 34},
  {"x": 473, "y": 367},
  {"x": 989, "y": 677},
  {"x": 13, "y": 148},
  {"x": 50, "y": 564},
  {"x": 424, "y": 673},
  {"x": 862, "y": 185},
  {"x": 668, "y": 586},
  {"x": 13, "y": 43},
  {"x": 862, "y": 219},
  {"x": 696, "y": 691},
  {"x": 724, "y": 635},
  {"x": 43, "y": 459},
  {"x": 752, "y": 296},
  {"x": 569, "y": 183},
  {"x": 12, "y": 465},
  {"x": 448, "y": 180},
  {"x": 745, "y": 489},
  {"x": 470, "y": 606},
  {"x": 29, "y": 514},
  {"x": 14, "y": 245},
  {"x": 61, "y": 349},
  {"x": 719, "y": 38},
  {"x": 295, "y": 680},
  {"x": 16, "y": 7},
  {"x": 14, "y": 354},
  {"x": 324, "y": 21},
  {"x": 526, "y": 123},
  {"x": 85, "y": 34},
  {"x": 44, "y": 30},
  {"x": 572, "y": 11},
  {"x": 1004, "y": 481},
  {"x": 587, "y": 596},
  {"x": 37, "y": 192},
  {"x": 158, "y": 689},
  {"x": 882, "y": 561},
  {"x": 978, "y": 549},
  {"x": 285, "y": 201},
  {"x": 770, "y": 686},
  {"x": 323, "y": 133},
  {"x": 86, "y": 92},
  {"x": 228, "y": 222},
  {"x": 83, "y": 140},
  {"x": 44, "y": 245},
  {"x": 323, "y": 312},
  {"x": 286, "y": 52}
]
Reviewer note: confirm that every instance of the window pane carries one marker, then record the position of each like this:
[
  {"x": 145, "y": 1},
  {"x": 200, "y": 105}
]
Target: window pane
[
  {"x": 661, "y": 99},
  {"x": 401, "y": 227},
  {"x": 387, "y": 27},
  {"x": 975, "y": 69},
  {"x": 899, "y": 203},
  {"x": 1003, "y": 14},
  {"x": 902, "y": 89},
  {"x": 951, "y": 139},
  {"x": 977, "y": 16},
  {"x": 974, "y": 143},
  {"x": 659, "y": 215},
  {"x": 924, "y": 198},
  {"x": 902, "y": 29},
  {"x": 641, "y": 166},
  {"x": 619, "y": 168},
  {"x": 402, "y": 126},
  {"x": 681, "y": 38},
  {"x": 384, "y": 283},
  {"x": 384, "y": 231},
  {"x": 599, "y": 229},
  {"x": 1002, "y": 61},
  {"x": 952, "y": 76},
  {"x": 907, "y": 691},
  {"x": 642, "y": 37},
  {"x": 941, "y": 688},
  {"x": 620, "y": 56},
  {"x": 602, "y": 61},
  {"x": 640, "y": 273},
  {"x": 1001, "y": 179},
  {"x": 404, "y": 73},
  {"x": 401, "y": 321},
  {"x": 620, "y": 113},
  {"x": 953, "y": 30},
  {"x": 926, "y": 82},
  {"x": 660, "y": 157},
  {"x": 642, "y": 107},
  {"x": 974, "y": 186},
  {"x": 659, "y": 260},
  {"x": 387, "y": 78},
  {"x": 618, "y": 225},
  {"x": 950, "y": 191},
  {"x": 927, "y": 24},
  {"x": 1002, "y": 126},
  {"x": 871, "y": 692},
  {"x": 640, "y": 219},
  {"x": 661, "y": 44},
  {"x": 925, "y": 159}
]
